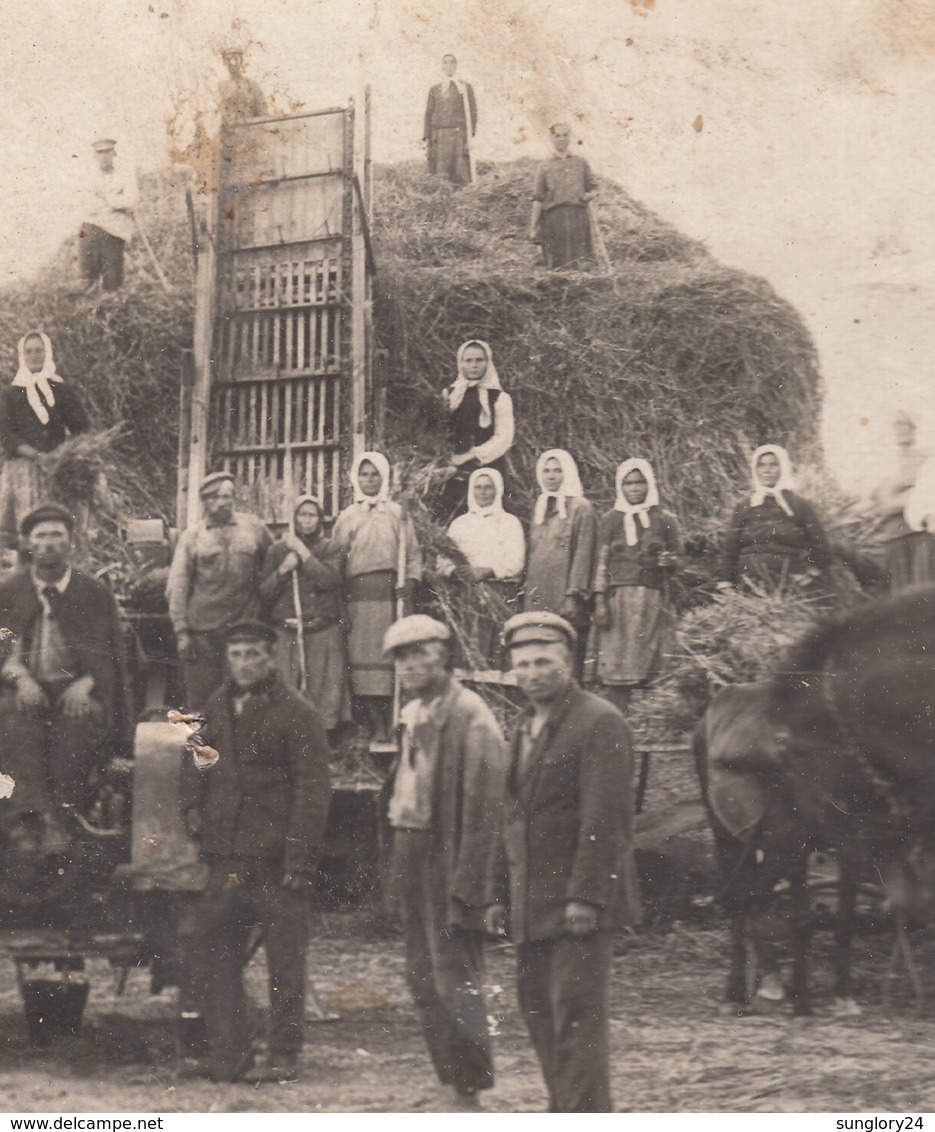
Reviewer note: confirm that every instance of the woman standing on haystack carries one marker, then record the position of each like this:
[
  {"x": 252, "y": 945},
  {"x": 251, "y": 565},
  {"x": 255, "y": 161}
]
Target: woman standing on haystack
[
  {"x": 35, "y": 419},
  {"x": 494, "y": 549},
  {"x": 638, "y": 553},
  {"x": 562, "y": 546},
  {"x": 377, "y": 540},
  {"x": 775, "y": 538},
  {"x": 315, "y": 562},
  {"x": 480, "y": 425},
  {"x": 903, "y": 509},
  {"x": 561, "y": 219}
]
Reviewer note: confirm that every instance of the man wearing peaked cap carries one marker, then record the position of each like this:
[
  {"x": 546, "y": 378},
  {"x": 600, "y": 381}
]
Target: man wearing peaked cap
[
  {"x": 259, "y": 814},
  {"x": 214, "y": 583},
  {"x": 61, "y": 679},
  {"x": 108, "y": 219},
  {"x": 445, "y": 809},
  {"x": 241, "y": 97},
  {"x": 414, "y": 630},
  {"x": 250, "y": 631},
  {"x": 569, "y": 878},
  {"x": 48, "y": 513},
  {"x": 543, "y": 628}
]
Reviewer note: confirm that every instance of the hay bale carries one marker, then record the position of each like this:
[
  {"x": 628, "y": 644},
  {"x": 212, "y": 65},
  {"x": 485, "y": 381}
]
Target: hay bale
[{"x": 673, "y": 357}]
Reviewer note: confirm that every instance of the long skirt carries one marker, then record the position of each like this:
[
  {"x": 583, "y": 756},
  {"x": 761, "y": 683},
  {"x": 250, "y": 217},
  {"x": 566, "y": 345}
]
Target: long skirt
[
  {"x": 21, "y": 490},
  {"x": 370, "y": 611},
  {"x": 448, "y": 155},
  {"x": 632, "y": 651},
  {"x": 327, "y": 676},
  {"x": 566, "y": 235}
]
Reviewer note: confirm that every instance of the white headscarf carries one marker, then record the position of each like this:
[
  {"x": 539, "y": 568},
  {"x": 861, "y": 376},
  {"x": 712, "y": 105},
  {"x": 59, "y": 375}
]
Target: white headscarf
[
  {"x": 489, "y": 381},
  {"x": 496, "y": 507},
  {"x": 36, "y": 383},
  {"x": 316, "y": 502},
  {"x": 382, "y": 465},
  {"x": 568, "y": 488},
  {"x": 631, "y": 510},
  {"x": 785, "y": 482}
]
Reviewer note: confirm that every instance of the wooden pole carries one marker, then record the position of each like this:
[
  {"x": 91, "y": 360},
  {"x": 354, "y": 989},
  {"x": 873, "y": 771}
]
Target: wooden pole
[
  {"x": 597, "y": 240},
  {"x": 289, "y": 485},
  {"x": 152, "y": 255},
  {"x": 402, "y": 566},
  {"x": 203, "y": 339}
]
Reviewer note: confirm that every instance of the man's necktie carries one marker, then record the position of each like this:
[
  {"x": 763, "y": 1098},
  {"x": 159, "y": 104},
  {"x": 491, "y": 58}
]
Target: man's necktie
[{"x": 54, "y": 598}]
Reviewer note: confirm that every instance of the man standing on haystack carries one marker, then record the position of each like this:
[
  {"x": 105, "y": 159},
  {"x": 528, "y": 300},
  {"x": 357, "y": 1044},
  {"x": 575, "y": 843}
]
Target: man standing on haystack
[
  {"x": 108, "y": 219},
  {"x": 569, "y": 856},
  {"x": 445, "y": 807},
  {"x": 561, "y": 216},
  {"x": 213, "y": 582},
  {"x": 450, "y": 126}
]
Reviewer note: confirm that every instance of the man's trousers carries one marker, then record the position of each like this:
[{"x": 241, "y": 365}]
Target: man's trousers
[
  {"x": 444, "y": 966},
  {"x": 564, "y": 985},
  {"x": 242, "y": 892}
]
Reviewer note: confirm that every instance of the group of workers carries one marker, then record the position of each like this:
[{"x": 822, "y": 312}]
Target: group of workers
[{"x": 280, "y": 639}]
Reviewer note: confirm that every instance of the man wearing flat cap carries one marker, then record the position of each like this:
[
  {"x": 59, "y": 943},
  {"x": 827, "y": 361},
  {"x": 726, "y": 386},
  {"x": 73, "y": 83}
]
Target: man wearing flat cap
[
  {"x": 570, "y": 879},
  {"x": 241, "y": 97},
  {"x": 259, "y": 814},
  {"x": 213, "y": 582},
  {"x": 61, "y": 683},
  {"x": 445, "y": 809},
  {"x": 108, "y": 219}
]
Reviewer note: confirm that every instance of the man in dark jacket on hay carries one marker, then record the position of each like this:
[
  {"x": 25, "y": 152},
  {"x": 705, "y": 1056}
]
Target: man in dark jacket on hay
[
  {"x": 445, "y": 807},
  {"x": 61, "y": 685},
  {"x": 260, "y": 815},
  {"x": 450, "y": 125},
  {"x": 568, "y": 840}
]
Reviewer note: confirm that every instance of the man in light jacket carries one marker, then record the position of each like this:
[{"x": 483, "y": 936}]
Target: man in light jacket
[{"x": 445, "y": 808}]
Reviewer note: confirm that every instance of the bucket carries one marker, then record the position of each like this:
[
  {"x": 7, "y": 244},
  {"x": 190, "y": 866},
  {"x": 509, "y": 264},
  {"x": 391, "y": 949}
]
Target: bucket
[{"x": 53, "y": 1009}]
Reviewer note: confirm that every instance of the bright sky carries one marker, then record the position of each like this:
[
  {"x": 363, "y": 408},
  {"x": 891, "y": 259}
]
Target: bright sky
[{"x": 812, "y": 166}]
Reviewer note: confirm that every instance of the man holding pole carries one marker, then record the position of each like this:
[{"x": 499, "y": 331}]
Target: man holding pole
[
  {"x": 108, "y": 222},
  {"x": 450, "y": 126}
]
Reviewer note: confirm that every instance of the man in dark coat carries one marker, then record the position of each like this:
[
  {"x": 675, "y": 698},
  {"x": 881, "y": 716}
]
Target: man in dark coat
[
  {"x": 445, "y": 810},
  {"x": 61, "y": 689},
  {"x": 259, "y": 813},
  {"x": 450, "y": 125},
  {"x": 567, "y": 833}
]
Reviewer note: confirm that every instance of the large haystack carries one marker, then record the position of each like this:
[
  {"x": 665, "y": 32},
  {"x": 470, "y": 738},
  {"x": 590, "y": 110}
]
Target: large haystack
[{"x": 672, "y": 357}]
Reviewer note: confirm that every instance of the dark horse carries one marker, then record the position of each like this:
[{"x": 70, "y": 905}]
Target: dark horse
[{"x": 837, "y": 750}]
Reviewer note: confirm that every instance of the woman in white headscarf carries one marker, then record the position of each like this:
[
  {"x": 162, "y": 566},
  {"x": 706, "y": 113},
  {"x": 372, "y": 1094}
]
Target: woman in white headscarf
[
  {"x": 562, "y": 546},
  {"x": 494, "y": 549},
  {"x": 775, "y": 537},
  {"x": 639, "y": 547},
  {"x": 313, "y": 559},
  {"x": 480, "y": 424},
  {"x": 378, "y": 541},
  {"x": 38, "y": 411}
]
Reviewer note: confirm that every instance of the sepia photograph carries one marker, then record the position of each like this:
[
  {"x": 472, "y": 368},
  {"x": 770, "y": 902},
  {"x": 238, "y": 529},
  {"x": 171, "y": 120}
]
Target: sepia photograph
[{"x": 467, "y": 558}]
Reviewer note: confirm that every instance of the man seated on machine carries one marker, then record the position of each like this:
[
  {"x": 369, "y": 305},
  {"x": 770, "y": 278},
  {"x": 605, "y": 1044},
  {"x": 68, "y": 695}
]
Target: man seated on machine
[{"x": 61, "y": 692}]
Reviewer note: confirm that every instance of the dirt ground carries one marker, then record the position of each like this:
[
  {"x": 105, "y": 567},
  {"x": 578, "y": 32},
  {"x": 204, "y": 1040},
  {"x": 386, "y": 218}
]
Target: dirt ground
[{"x": 673, "y": 1048}]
